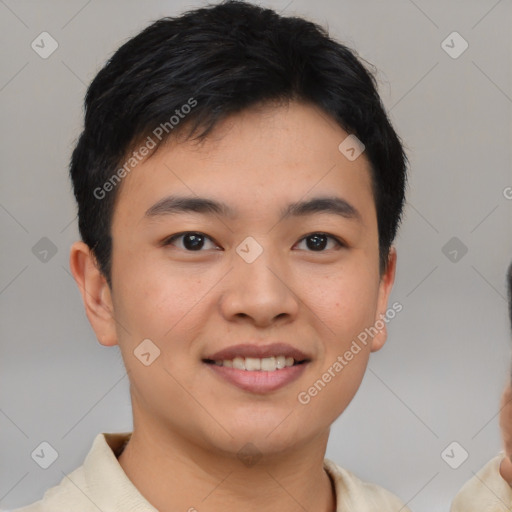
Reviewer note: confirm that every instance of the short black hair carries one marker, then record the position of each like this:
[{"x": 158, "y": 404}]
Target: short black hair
[{"x": 195, "y": 70}]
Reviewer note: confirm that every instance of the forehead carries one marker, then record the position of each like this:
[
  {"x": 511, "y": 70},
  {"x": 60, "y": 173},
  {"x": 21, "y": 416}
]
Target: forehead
[{"x": 262, "y": 159}]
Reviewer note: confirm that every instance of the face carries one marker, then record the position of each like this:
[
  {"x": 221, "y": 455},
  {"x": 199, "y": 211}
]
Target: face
[{"x": 282, "y": 262}]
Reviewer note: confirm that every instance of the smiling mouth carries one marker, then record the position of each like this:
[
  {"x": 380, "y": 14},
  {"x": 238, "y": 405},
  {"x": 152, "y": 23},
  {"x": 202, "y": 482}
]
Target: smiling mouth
[{"x": 265, "y": 364}]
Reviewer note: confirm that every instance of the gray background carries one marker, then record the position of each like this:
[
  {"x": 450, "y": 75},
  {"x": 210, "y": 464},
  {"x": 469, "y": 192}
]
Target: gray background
[{"x": 440, "y": 375}]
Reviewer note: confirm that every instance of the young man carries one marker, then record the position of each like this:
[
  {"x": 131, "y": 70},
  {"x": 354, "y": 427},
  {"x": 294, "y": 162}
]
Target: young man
[
  {"x": 239, "y": 187},
  {"x": 490, "y": 490}
]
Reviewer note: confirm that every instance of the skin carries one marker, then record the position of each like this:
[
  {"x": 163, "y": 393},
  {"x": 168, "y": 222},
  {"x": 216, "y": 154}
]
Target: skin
[
  {"x": 189, "y": 424},
  {"x": 506, "y": 433}
]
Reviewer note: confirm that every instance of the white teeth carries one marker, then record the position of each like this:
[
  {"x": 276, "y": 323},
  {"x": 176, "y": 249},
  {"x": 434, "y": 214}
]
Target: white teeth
[
  {"x": 252, "y": 363},
  {"x": 239, "y": 363},
  {"x": 266, "y": 364},
  {"x": 280, "y": 362}
]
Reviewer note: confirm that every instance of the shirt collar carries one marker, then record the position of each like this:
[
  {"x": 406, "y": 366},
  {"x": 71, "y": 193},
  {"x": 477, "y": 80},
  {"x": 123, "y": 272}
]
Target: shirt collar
[
  {"x": 112, "y": 490},
  {"x": 109, "y": 486}
]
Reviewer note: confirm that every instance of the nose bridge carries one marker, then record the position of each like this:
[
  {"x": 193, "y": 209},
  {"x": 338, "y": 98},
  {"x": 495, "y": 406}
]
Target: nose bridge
[
  {"x": 256, "y": 264},
  {"x": 258, "y": 285}
]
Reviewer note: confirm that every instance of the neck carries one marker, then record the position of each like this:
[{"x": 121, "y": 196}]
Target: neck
[{"x": 172, "y": 474}]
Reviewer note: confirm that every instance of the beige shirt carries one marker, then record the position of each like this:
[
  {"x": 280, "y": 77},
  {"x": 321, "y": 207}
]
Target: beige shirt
[
  {"x": 485, "y": 492},
  {"x": 101, "y": 484}
]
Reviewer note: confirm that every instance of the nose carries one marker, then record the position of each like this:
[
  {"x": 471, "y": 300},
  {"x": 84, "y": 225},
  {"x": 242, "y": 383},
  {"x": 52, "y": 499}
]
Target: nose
[{"x": 260, "y": 292}]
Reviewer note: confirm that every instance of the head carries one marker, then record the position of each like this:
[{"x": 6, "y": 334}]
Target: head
[
  {"x": 506, "y": 401},
  {"x": 509, "y": 290},
  {"x": 249, "y": 110},
  {"x": 509, "y": 293}
]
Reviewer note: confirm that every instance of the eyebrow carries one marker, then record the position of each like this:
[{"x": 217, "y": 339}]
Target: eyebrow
[{"x": 184, "y": 204}]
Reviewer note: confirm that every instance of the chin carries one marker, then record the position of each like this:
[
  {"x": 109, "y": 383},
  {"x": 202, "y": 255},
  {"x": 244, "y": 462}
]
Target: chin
[{"x": 267, "y": 437}]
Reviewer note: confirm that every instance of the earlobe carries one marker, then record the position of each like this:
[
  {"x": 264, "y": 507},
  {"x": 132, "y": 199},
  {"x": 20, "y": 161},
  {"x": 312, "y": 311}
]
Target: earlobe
[
  {"x": 385, "y": 286},
  {"x": 95, "y": 293}
]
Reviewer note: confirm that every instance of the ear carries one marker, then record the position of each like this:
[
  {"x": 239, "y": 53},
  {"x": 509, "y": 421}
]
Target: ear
[
  {"x": 95, "y": 293},
  {"x": 386, "y": 283}
]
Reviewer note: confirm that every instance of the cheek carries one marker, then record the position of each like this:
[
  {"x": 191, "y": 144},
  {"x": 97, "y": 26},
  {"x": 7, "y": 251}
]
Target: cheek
[
  {"x": 344, "y": 385},
  {"x": 165, "y": 311},
  {"x": 346, "y": 304},
  {"x": 157, "y": 300},
  {"x": 333, "y": 386}
]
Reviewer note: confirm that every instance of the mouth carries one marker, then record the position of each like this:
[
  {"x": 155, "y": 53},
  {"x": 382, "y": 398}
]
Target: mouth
[
  {"x": 265, "y": 364},
  {"x": 258, "y": 369}
]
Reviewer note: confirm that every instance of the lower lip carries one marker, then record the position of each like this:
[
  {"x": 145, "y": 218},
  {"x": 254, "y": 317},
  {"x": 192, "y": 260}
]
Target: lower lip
[{"x": 259, "y": 381}]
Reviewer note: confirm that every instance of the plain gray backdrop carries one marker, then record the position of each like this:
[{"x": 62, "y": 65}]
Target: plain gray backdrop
[{"x": 440, "y": 375}]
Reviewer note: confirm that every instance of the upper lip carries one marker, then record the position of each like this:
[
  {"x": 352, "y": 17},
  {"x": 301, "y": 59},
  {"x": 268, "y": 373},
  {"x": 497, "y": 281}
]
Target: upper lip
[{"x": 259, "y": 351}]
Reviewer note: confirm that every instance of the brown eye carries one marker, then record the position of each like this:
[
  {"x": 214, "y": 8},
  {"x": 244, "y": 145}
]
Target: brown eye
[
  {"x": 190, "y": 241},
  {"x": 317, "y": 242}
]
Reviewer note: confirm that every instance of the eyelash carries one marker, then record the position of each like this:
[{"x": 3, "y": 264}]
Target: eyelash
[{"x": 171, "y": 239}]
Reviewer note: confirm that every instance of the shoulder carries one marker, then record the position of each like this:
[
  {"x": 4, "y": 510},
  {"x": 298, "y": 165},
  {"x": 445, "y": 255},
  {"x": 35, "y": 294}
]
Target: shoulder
[
  {"x": 485, "y": 492},
  {"x": 352, "y": 493},
  {"x": 63, "y": 495}
]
